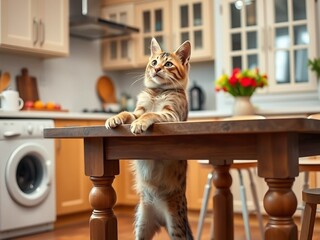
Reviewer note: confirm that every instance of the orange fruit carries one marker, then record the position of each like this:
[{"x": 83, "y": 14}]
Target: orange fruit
[
  {"x": 50, "y": 105},
  {"x": 38, "y": 104}
]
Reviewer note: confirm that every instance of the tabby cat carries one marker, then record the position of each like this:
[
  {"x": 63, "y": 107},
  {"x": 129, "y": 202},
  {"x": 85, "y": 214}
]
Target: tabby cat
[{"x": 161, "y": 184}]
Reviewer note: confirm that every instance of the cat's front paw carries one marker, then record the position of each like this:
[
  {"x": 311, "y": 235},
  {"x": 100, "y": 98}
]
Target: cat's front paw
[
  {"x": 117, "y": 120},
  {"x": 139, "y": 126},
  {"x": 113, "y": 122}
]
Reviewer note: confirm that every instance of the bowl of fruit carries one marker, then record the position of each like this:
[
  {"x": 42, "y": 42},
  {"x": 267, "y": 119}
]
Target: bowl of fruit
[{"x": 42, "y": 106}]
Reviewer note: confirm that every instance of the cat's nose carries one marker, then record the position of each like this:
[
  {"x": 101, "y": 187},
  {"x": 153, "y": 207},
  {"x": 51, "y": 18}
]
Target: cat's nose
[{"x": 157, "y": 69}]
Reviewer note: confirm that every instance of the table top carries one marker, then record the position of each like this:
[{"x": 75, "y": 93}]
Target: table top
[{"x": 252, "y": 126}]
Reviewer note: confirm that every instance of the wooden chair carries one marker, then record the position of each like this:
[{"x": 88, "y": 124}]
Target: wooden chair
[
  {"x": 240, "y": 166},
  {"x": 311, "y": 197}
]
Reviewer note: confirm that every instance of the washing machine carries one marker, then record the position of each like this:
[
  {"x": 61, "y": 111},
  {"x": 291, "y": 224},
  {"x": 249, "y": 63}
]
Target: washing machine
[{"x": 27, "y": 183}]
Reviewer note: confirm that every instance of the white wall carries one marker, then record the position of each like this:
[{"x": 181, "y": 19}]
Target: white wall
[{"x": 71, "y": 81}]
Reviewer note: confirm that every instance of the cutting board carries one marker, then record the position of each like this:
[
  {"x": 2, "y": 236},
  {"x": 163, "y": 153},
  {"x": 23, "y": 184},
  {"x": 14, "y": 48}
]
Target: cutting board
[
  {"x": 27, "y": 86},
  {"x": 106, "y": 90}
]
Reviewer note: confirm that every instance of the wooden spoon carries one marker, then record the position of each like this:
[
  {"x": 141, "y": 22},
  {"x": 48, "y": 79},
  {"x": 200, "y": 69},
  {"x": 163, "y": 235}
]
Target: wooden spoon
[{"x": 4, "y": 81}]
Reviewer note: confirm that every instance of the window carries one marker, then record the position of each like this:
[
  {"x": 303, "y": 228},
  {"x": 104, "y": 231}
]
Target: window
[{"x": 277, "y": 36}]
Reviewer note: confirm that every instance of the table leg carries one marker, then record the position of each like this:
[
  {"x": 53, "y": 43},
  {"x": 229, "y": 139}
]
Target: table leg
[
  {"x": 103, "y": 222},
  {"x": 222, "y": 203},
  {"x": 280, "y": 203}
]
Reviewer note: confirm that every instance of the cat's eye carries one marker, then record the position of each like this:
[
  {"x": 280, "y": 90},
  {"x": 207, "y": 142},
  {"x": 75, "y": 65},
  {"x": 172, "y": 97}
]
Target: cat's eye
[
  {"x": 154, "y": 62},
  {"x": 168, "y": 64}
]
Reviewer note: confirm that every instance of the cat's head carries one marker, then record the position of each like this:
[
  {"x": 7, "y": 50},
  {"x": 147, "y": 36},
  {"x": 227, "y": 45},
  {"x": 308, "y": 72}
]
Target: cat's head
[{"x": 168, "y": 70}]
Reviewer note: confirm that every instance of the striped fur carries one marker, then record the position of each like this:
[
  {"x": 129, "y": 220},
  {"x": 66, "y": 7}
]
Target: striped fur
[{"x": 161, "y": 184}]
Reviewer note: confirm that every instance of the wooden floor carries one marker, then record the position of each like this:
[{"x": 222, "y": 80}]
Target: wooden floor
[{"x": 77, "y": 229}]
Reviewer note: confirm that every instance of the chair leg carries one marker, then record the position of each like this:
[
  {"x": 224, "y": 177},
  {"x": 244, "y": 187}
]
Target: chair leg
[
  {"x": 308, "y": 221},
  {"x": 304, "y": 187},
  {"x": 256, "y": 203},
  {"x": 244, "y": 207},
  {"x": 203, "y": 211}
]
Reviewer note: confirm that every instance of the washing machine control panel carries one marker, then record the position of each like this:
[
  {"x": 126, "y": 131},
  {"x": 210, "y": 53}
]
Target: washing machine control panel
[{"x": 23, "y": 128}]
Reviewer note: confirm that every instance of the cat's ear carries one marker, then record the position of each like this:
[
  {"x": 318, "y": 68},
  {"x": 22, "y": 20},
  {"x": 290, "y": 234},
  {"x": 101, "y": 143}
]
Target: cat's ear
[
  {"x": 155, "y": 47},
  {"x": 183, "y": 52}
]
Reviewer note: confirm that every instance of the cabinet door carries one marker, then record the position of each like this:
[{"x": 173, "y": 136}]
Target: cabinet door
[
  {"x": 35, "y": 26},
  {"x": 54, "y": 26},
  {"x": 245, "y": 33},
  {"x": 191, "y": 20},
  {"x": 277, "y": 36},
  {"x": 118, "y": 52},
  {"x": 124, "y": 184},
  {"x": 153, "y": 19},
  {"x": 291, "y": 42},
  {"x": 72, "y": 186},
  {"x": 196, "y": 181},
  {"x": 18, "y": 23}
]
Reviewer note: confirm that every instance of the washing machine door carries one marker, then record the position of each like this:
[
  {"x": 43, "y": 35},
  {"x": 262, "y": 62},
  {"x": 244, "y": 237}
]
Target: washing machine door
[{"x": 28, "y": 174}]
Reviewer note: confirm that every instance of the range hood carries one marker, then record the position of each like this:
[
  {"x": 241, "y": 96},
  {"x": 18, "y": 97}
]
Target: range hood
[{"x": 85, "y": 22}]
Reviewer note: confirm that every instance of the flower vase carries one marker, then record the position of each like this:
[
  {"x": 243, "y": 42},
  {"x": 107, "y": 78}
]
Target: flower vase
[{"x": 243, "y": 106}]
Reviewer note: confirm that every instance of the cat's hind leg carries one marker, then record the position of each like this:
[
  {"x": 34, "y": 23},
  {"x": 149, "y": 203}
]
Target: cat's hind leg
[
  {"x": 146, "y": 223},
  {"x": 177, "y": 223}
]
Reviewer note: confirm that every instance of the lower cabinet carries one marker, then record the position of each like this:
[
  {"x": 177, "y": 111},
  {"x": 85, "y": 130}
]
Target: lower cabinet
[
  {"x": 124, "y": 185},
  {"x": 72, "y": 186}
]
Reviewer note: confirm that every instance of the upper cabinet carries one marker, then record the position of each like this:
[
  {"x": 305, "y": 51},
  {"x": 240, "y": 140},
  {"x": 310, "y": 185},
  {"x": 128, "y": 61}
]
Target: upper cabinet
[
  {"x": 40, "y": 27},
  {"x": 277, "y": 36},
  {"x": 171, "y": 22},
  {"x": 118, "y": 52},
  {"x": 153, "y": 19},
  {"x": 193, "y": 19}
]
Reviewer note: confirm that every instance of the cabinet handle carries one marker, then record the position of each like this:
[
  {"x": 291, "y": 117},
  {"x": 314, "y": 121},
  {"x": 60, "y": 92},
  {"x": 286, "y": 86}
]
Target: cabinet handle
[
  {"x": 42, "y": 29},
  {"x": 35, "y": 31}
]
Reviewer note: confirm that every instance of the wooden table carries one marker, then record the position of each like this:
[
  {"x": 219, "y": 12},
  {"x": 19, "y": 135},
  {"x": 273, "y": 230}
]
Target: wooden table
[{"x": 275, "y": 143}]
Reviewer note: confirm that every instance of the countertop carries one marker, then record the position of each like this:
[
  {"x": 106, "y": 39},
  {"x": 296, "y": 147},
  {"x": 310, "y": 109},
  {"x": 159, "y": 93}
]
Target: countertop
[{"x": 192, "y": 114}]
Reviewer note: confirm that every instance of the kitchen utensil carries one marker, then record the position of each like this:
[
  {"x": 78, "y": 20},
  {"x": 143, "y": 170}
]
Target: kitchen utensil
[
  {"x": 196, "y": 98},
  {"x": 27, "y": 86},
  {"x": 105, "y": 90},
  {"x": 10, "y": 101},
  {"x": 4, "y": 81}
]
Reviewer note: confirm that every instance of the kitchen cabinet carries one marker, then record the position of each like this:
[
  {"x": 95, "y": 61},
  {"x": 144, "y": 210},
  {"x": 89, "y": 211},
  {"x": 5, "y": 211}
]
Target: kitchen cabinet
[
  {"x": 153, "y": 19},
  {"x": 170, "y": 22},
  {"x": 278, "y": 37},
  {"x": 118, "y": 52},
  {"x": 116, "y": 2},
  {"x": 72, "y": 186},
  {"x": 196, "y": 180},
  {"x": 40, "y": 27},
  {"x": 191, "y": 20},
  {"x": 124, "y": 183}
]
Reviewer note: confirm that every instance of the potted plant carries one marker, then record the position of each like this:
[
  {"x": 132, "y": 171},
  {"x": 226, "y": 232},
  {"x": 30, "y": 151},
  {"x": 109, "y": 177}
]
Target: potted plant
[
  {"x": 241, "y": 85},
  {"x": 315, "y": 66}
]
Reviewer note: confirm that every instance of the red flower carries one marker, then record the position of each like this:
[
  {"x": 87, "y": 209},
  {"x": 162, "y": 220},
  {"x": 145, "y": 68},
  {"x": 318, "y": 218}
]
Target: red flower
[
  {"x": 233, "y": 80},
  {"x": 235, "y": 71},
  {"x": 246, "y": 82}
]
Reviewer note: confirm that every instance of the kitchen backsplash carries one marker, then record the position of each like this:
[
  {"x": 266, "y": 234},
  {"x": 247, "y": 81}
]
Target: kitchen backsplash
[{"x": 71, "y": 81}]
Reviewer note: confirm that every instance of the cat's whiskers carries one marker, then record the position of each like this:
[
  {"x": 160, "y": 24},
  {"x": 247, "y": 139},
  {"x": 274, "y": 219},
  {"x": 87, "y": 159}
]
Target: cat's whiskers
[{"x": 139, "y": 77}]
